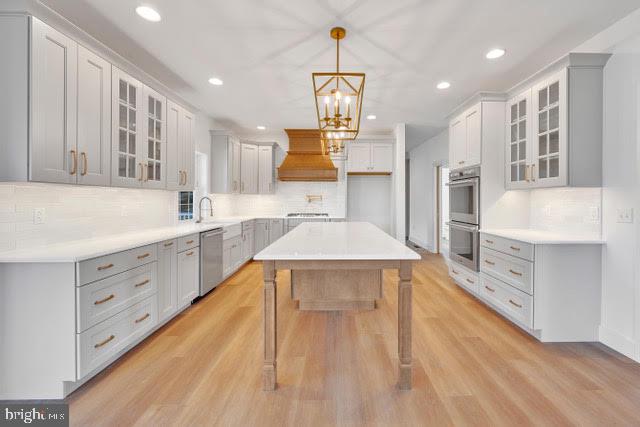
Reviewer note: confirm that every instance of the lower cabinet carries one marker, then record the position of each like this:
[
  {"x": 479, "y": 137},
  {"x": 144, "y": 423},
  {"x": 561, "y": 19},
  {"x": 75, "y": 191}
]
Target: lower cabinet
[
  {"x": 276, "y": 229},
  {"x": 261, "y": 234},
  {"x": 248, "y": 238},
  {"x": 167, "y": 279},
  {"x": 231, "y": 255},
  {"x": 188, "y": 276}
]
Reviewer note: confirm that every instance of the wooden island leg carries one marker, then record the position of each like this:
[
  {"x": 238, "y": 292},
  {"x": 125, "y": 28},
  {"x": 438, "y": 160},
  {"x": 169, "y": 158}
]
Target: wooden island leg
[
  {"x": 404, "y": 325},
  {"x": 270, "y": 326}
]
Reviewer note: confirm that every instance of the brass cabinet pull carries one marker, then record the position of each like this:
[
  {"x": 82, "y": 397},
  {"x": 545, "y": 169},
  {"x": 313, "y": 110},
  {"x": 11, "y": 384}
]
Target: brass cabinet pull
[
  {"x": 489, "y": 262},
  {"x": 489, "y": 289},
  {"x": 189, "y": 242},
  {"x": 141, "y": 172},
  {"x": 85, "y": 163},
  {"x": 145, "y": 172},
  {"x": 515, "y": 273},
  {"x": 105, "y": 267},
  {"x": 527, "y": 173},
  {"x": 453, "y": 270},
  {"x": 461, "y": 162},
  {"x": 533, "y": 175},
  {"x": 102, "y": 301},
  {"x": 515, "y": 303},
  {"x": 100, "y": 344},
  {"x": 189, "y": 253},
  {"x": 144, "y": 282},
  {"x": 142, "y": 318},
  {"x": 143, "y": 256},
  {"x": 74, "y": 157},
  {"x": 489, "y": 241},
  {"x": 166, "y": 245},
  {"x": 470, "y": 281},
  {"x": 186, "y": 177},
  {"x": 515, "y": 248}
]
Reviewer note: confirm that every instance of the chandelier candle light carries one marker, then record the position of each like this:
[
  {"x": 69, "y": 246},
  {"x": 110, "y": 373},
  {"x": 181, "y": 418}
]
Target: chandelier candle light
[{"x": 338, "y": 101}]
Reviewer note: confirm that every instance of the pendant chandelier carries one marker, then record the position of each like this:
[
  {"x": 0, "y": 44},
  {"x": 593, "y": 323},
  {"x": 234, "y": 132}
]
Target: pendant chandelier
[{"x": 338, "y": 101}]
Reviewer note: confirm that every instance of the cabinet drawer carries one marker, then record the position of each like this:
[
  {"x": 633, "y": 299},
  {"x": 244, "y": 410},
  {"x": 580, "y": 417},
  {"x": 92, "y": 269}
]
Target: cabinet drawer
[
  {"x": 231, "y": 231},
  {"x": 512, "y": 247},
  {"x": 102, "y": 299},
  {"x": 514, "y": 271},
  {"x": 188, "y": 242},
  {"x": 105, "y": 340},
  {"x": 511, "y": 301},
  {"x": 99, "y": 268},
  {"x": 464, "y": 277}
]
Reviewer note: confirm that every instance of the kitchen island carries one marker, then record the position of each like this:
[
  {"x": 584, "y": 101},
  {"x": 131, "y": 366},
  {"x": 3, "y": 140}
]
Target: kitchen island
[{"x": 333, "y": 257}]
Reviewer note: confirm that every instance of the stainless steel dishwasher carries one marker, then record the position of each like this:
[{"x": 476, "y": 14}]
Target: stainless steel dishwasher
[{"x": 210, "y": 260}]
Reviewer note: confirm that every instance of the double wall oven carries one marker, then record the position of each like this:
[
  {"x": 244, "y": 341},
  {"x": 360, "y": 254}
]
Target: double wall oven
[{"x": 464, "y": 216}]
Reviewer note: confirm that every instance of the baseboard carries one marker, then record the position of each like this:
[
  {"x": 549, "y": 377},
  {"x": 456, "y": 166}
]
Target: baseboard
[
  {"x": 619, "y": 343},
  {"x": 422, "y": 244}
]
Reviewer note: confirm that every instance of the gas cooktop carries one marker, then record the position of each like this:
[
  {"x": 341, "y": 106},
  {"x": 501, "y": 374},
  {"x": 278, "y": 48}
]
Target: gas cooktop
[{"x": 306, "y": 215}]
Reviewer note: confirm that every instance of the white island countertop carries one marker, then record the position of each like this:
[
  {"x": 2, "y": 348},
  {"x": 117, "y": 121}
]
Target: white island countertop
[
  {"x": 541, "y": 237},
  {"x": 337, "y": 241}
]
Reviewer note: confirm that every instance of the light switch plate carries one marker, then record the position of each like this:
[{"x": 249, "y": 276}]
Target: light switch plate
[
  {"x": 625, "y": 215},
  {"x": 39, "y": 215}
]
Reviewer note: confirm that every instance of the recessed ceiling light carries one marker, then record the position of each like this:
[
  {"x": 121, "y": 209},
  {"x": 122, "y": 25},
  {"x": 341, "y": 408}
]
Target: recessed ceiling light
[
  {"x": 148, "y": 13},
  {"x": 215, "y": 81},
  {"x": 371, "y": 117},
  {"x": 495, "y": 53},
  {"x": 260, "y": 127},
  {"x": 443, "y": 85}
]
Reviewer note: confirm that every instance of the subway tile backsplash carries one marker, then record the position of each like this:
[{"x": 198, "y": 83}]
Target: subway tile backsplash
[
  {"x": 78, "y": 212},
  {"x": 574, "y": 211}
]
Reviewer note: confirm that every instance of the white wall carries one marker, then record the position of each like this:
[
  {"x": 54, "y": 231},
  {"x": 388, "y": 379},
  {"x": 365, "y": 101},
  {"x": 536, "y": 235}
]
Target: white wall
[
  {"x": 398, "y": 178},
  {"x": 369, "y": 199},
  {"x": 422, "y": 197}
]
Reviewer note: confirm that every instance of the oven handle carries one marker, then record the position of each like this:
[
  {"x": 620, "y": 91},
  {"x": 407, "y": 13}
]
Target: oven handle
[
  {"x": 472, "y": 228},
  {"x": 462, "y": 182}
]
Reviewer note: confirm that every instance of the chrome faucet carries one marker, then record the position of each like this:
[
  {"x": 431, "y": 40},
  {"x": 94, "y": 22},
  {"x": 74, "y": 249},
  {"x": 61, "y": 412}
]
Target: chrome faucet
[{"x": 200, "y": 208}]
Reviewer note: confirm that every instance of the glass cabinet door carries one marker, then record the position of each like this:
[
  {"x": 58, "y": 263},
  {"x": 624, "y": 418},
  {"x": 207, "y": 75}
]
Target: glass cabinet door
[
  {"x": 549, "y": 162},
  {"x": 127, "y": 129},
  {"x": 518, "y": 136},
  {"x": 154, "y": 146}
]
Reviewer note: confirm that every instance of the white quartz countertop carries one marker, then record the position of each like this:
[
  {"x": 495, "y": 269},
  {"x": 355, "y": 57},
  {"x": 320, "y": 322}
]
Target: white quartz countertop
[
  {"x": 337, "y": 241},
  {"x": 541, "y": 237},
  {"x": 80, "y": 250}
]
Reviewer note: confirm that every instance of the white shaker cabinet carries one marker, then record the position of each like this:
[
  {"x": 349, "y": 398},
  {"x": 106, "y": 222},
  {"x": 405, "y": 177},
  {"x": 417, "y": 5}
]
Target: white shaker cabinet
[
  {"x": 465, "y": 138},
  {"x": 180, "y": 147},
  {"x": 53, "y": 105},
  {"x": 265, "y": 169},
  {"x": 225, "y": 163},
  {"x": 276, "y": 229},
  {"x": 249, "y": 168},
  {"x": 167, "y": 279},
  {"x": 94, "y": 119},
  {"x": 261, "y": 234},
  {"x": 554, "y": 126},
  {"x": 248, "y": 240},
  {"x": 188, "y": 276},
  {"x": 127, "y": 161},
  {"x": 370, "y": 158}
]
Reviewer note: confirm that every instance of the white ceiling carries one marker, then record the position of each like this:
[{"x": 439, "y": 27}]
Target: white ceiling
[{"x": 266, "y": 50}]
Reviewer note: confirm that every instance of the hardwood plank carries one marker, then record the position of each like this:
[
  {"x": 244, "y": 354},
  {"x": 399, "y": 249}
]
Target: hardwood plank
[{"x": 470, "y": 366}]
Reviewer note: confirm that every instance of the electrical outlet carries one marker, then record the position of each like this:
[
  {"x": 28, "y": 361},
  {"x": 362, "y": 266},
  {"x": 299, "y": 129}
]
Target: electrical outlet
[
  {"x": 625, "y": 215},
  {"x": 38, "y": 215}
]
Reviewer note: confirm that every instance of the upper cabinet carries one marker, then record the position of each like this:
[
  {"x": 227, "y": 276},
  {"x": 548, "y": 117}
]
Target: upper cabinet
[
  {"x": 248, "y": 168},
  {"x": 465, "y": 138},
  {"x": 76, "y": 119},
  {"x": 237, "y": 167},
  {"x": 370, "y": 158},
  {"x": 265, "y": 169},
  {"x": 554, "y": 127},
  {"x": 180, "y": 147}
]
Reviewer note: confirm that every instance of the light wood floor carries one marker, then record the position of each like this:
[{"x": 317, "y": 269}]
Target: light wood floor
[{"x": 471, "y": 367}]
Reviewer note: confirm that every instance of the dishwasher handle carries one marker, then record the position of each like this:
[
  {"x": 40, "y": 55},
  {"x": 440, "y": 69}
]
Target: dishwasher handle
[{"x": 216, "y": 232}]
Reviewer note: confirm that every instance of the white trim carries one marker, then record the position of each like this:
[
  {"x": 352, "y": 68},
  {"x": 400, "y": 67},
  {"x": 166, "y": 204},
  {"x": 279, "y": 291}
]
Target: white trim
[
  {"x": 419, "y": 242},
  {"x": 619, "y": 343}
]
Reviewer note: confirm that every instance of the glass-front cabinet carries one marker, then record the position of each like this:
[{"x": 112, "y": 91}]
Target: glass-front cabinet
[
  {"x": 549, "y": 157},
  {"x": 154, "y": 148},
  {"x": 127, "y": 168},
  {"x": 537, "y": 132},
  {"x": 518, "y": 171}
]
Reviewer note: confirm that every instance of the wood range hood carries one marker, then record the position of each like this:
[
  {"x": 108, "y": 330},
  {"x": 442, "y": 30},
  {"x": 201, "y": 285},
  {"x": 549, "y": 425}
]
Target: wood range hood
[{"x": 306, "y": 159}]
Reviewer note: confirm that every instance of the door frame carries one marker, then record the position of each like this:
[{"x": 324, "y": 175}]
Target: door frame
[{"x": 437, "y": 199}]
